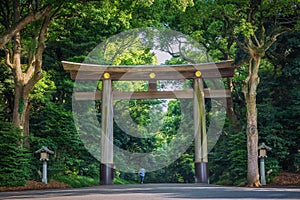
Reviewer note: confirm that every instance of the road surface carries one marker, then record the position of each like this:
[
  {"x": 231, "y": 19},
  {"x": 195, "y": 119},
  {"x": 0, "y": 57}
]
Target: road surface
[{"x": 157, "y": 192}]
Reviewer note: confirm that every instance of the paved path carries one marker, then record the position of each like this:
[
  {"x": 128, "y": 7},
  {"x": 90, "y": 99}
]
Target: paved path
[{"x": 157, "y": 192}]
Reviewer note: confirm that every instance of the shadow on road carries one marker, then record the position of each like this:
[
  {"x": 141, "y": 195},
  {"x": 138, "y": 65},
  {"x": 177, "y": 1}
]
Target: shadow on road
[{"x": 158, "y": 191}]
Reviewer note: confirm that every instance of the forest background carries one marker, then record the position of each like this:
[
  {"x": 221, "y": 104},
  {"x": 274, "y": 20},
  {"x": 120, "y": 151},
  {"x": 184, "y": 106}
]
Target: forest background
[{"x": 74, "y": 28}]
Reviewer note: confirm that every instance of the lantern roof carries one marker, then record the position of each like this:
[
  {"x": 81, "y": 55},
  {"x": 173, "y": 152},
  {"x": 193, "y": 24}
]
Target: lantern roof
[
  {"x": 44, "y": 149},
  {"x": 264, "y": 146}
]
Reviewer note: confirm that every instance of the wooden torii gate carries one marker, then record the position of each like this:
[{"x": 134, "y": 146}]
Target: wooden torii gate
[{"x": 152, "y": 73}]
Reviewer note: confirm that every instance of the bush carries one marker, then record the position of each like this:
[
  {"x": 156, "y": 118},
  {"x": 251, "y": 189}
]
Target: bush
[
  {"x": 228, "y": 159},
  {"x": 14, "y": 159},
  {"x": 77, "y": 181}
]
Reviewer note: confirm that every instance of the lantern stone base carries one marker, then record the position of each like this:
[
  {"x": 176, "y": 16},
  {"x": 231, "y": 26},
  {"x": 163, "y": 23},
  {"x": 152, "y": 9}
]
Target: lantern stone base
[
  {"x": 106, "y": 174},
  {"x": 201, "y": 172}
]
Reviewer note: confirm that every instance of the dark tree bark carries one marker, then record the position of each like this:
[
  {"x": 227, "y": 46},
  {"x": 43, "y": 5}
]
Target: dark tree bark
[
  {"x": 25, "y": 80},
  {"x": 249, "y": 90}
]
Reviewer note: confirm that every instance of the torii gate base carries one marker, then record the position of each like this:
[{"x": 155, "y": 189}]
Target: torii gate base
[
  {"x": 106, "y": 174},
  {"x": 201, "y": 172},
  {"x": 151, "y": 73}
]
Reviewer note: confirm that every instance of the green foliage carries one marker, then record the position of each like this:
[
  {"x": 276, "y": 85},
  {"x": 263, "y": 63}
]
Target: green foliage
[
  {"x": 14, "y": 159},
  {"x": 272, "y": 167},
  {"x": 228, "y": 159},
  {"x": 79, "y": 27},
  {"x": 43, "y": 89},
  {"x": 6, "y": 95},
  {"x": 140, "y": 57},
  {"x": 278, "y": 107},
  {"x": 77, "y": 181},
  {"x": 70, "y": 157},
  {"x": 213, "y": 34},
  {"x": 123, "y": 182}
]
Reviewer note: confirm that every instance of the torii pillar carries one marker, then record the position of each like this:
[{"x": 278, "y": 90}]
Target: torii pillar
[
  {"x": 106, "y": 164},
  {"x": 201, "y": 160}
]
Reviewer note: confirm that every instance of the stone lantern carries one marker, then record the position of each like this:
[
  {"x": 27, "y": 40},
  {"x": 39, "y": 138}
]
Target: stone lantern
[
  {"x": 44, "y": 157},
  {"x": 262, "y": 154}
]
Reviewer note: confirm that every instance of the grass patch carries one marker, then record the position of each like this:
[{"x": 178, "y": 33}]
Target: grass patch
[
  {"x": 83, "y": 181},
  {"x": 77, "y": 181}
]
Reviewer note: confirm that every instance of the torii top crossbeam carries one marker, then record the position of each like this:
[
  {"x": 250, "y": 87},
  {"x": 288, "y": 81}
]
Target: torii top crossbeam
[{"x": 223, "y": 69}]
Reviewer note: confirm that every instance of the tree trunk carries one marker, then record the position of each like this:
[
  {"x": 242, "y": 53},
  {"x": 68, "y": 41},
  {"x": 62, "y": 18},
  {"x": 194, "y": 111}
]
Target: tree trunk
[
  {"x": 230, "y": 108},
  {"x": 21, "y": 97},
  {"x": 25, "y": 79},
  {"x": 252, "y": 133},
  {"x": 21, "y": 111}
]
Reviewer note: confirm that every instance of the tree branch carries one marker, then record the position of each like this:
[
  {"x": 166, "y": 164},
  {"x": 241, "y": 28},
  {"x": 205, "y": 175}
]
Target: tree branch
[
  {"x": 256, "y": 40},
  {"x": 8, "y": 62},
  {"x": 30, "y": 69},
  {"x": 275, "y": 35},
  {"x": 38, "y": 55},
  {"x": 8, "y": 34},
  {"x": 241, "y": 45}
]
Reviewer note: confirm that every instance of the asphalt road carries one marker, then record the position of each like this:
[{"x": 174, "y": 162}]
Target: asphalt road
[{"x": 157, "y": 192}]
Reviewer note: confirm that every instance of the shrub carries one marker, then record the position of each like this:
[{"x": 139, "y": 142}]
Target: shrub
[{"x": 14, "y": 159}]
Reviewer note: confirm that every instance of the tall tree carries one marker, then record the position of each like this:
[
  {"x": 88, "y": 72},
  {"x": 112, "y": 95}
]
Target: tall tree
[
  {"x": 24, "y": 57},
  {"x": 255, "y": 25}
]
